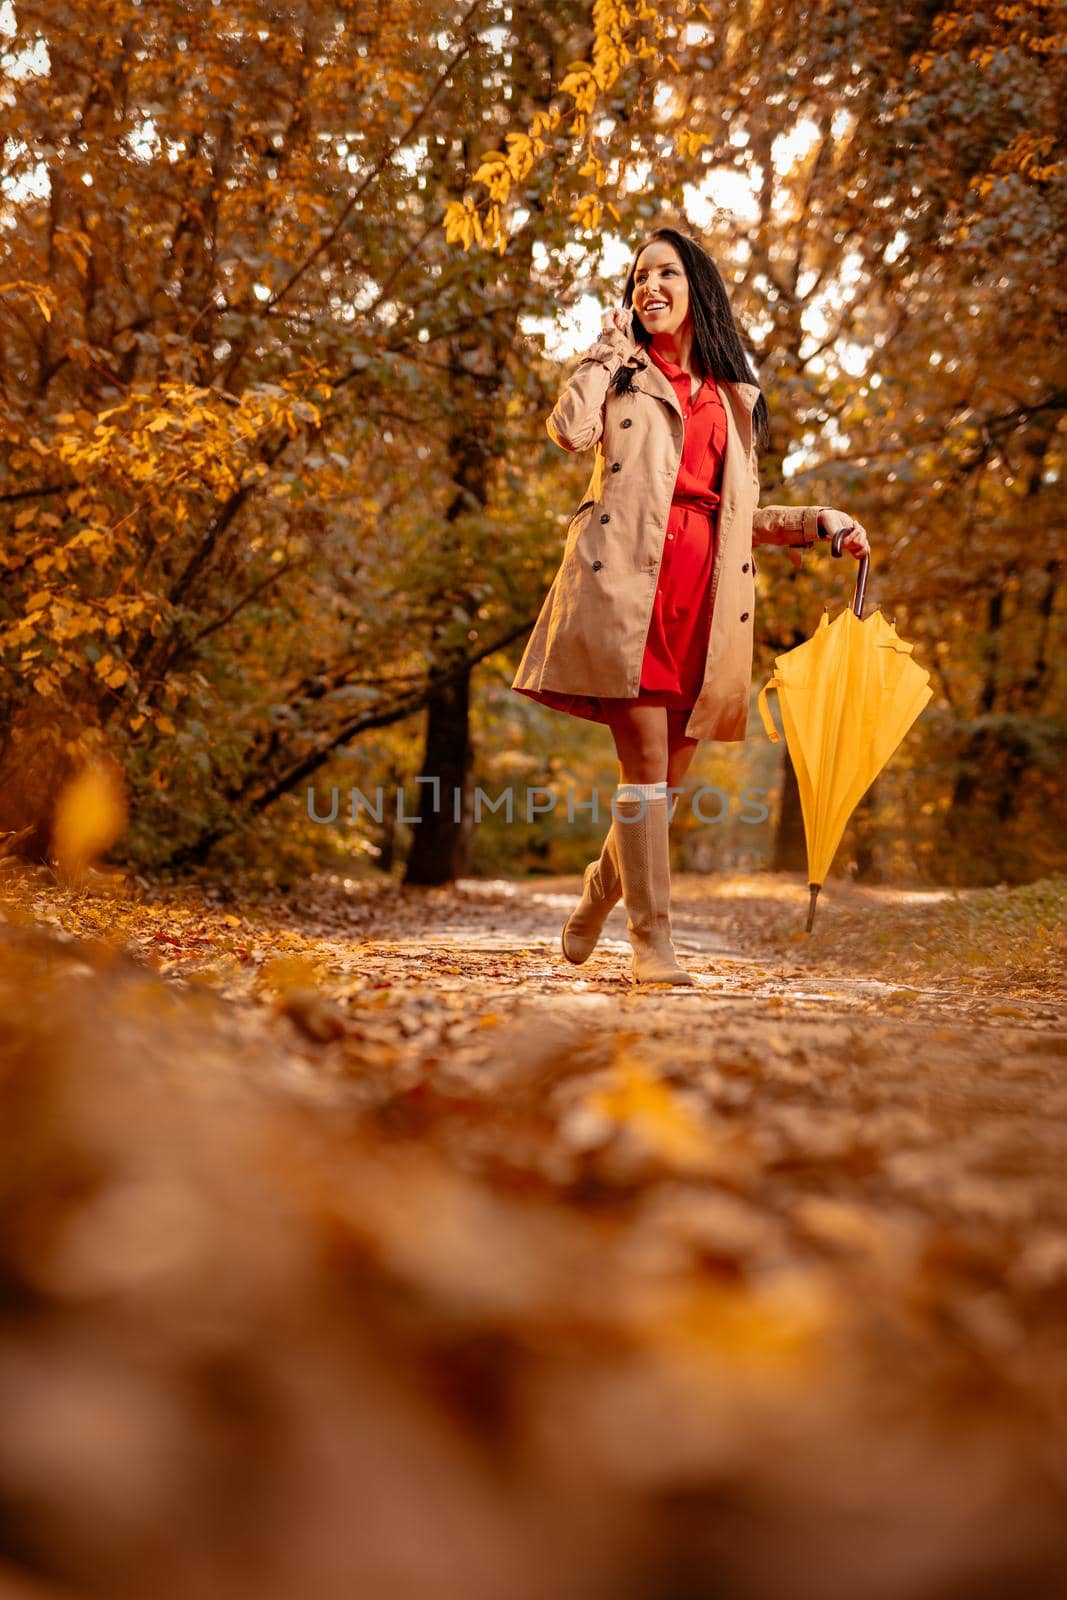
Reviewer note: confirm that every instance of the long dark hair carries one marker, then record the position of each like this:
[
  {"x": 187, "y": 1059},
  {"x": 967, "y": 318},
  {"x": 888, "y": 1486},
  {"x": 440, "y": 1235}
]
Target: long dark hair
[{"x": 717, "y": 343}]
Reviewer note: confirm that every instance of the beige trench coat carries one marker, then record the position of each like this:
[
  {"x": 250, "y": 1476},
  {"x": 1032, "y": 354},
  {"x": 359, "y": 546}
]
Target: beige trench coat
[{"x": 589, "y": 639}]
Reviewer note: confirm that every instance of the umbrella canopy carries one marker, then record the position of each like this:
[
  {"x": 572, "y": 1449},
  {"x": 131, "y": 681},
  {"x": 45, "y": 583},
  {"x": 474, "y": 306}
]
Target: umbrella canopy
[{"x": 848, "y": 695}]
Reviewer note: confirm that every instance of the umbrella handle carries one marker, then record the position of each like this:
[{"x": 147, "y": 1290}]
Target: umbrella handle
[{"x": 836, "y": 542}]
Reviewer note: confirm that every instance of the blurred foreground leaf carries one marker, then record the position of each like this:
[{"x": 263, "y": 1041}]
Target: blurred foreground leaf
[{"x": 90, "y": 816}]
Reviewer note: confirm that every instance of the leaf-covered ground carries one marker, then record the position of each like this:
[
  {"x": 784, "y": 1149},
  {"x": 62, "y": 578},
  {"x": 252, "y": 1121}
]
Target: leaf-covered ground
[{"x": 354, "y": 1244}]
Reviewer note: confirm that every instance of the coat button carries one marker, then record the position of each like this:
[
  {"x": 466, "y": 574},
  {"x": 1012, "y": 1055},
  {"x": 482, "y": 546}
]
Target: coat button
[
  {"x": 745, "y": 567},
  {"x": 597, "y": 565},
  {"x": 627, "y": 422},
  {"x": 606, "y": 517},
  {"x": 615, "y": 465},
  {"x": 744, "y": 616}
]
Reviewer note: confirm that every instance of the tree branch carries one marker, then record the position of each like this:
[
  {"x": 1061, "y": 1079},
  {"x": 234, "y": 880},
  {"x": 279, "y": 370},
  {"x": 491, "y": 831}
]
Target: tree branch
[{"x": 302, "y": 768}]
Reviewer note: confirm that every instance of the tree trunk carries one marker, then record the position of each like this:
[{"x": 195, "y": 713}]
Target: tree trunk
[
  {"x": 790, "y": 846},
  {"x": 441, "y": 850}
]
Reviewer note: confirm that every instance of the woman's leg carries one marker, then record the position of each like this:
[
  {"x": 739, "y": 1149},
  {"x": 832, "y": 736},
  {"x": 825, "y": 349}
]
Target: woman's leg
[
  {"x": 640, "y": 835},
  {"x": 650, "y": 742},
  {"x": 680, "y": 750},
  {"x": 602, "y": 885},
  {"x": 640, "y": 734},
  {"x": 641, "y": 742}
]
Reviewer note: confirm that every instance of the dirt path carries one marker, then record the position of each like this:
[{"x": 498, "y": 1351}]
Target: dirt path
[
  {"x": 744, "y": 944},
  {"x": 357, "y": 1213}
]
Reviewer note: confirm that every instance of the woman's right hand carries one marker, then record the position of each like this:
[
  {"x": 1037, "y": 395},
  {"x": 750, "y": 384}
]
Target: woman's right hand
[{"x": 620, "y": 319}]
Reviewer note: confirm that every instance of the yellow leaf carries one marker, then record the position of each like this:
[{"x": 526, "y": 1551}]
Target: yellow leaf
[
  {"x": 90, "y": 815},
  {"x": 137, "y": 722},
  {"x": 490, "y": 167},
  {"x": 164, "y": 724},
  {"x": 289, "y": 973},
  {"x": 664, "y": 1124}
]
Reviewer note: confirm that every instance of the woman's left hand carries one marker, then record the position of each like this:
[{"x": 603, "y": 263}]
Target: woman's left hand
[{"x": 855, "y": 541}]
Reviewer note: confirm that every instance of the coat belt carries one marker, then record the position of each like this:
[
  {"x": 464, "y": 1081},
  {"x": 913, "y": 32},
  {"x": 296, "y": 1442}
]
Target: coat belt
[{"x": 708, "y": 503}]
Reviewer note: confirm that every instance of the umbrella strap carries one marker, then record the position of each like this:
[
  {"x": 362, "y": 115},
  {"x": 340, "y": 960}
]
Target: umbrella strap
[{"x": 765, "y": 710}]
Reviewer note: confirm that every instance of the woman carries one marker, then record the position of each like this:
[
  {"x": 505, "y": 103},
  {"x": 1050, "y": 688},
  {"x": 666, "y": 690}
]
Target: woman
[{"x": 648, "y": 624}]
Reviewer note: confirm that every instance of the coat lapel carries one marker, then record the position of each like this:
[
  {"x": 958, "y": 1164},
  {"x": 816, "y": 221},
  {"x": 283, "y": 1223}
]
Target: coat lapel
[
  {"x": 651, "y": 380},
  {"x": 741, "y": 400}
]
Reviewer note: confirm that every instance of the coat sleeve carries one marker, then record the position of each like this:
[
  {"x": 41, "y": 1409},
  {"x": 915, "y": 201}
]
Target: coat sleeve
[
  {"x": 577, "y": 418},
  {"x": 783, "y": 525}
]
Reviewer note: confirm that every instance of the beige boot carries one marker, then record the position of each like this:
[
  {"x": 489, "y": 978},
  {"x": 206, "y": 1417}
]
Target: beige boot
[
  {"x": 601, "y": 892},
  {"x": 645, "y": 869},
  {"x": 601, "y": 889}
]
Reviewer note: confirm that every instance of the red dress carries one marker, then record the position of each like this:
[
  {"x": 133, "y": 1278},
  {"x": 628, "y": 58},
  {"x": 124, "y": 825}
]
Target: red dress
[{"x": 672, "y": 669}]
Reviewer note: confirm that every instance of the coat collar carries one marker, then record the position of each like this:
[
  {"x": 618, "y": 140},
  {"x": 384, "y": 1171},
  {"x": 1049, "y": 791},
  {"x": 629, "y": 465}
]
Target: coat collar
[
  {"x": 679, "y": 380},
  {"x": 654, "y": 381}
]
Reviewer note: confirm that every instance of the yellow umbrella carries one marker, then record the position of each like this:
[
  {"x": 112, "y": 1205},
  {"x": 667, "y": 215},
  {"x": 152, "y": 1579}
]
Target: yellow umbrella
[{"x": 848, "y": 695}]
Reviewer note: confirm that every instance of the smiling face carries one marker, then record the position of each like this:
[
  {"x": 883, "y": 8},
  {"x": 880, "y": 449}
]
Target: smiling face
[{"x": 661, "y": 289}]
